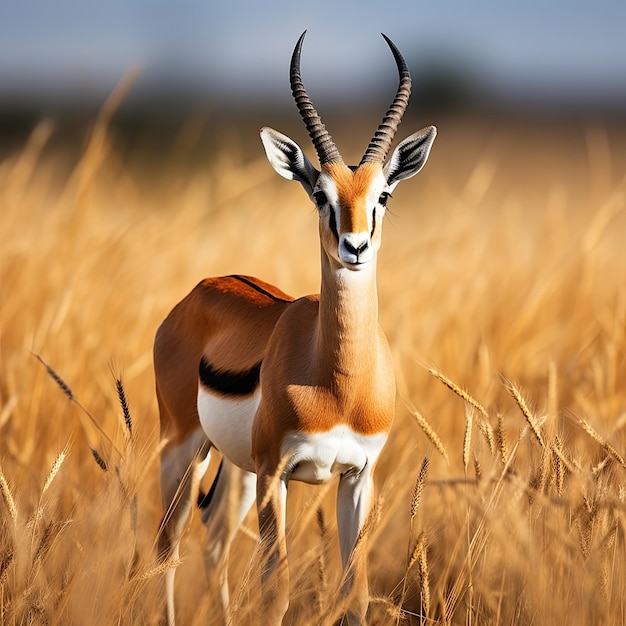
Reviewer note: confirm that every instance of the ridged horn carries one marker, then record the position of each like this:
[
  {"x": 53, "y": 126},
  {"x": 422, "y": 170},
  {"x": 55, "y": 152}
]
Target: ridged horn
[
  {"x": 381, "y": 142},
  {"x": 324, "y": 145}
]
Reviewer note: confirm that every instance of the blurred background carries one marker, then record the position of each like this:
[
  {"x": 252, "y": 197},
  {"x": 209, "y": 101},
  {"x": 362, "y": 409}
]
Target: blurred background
[{"x": 218, "y": 60}]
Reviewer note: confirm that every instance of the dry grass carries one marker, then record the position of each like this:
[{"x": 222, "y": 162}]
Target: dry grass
[{"x": 502, "y": 272}]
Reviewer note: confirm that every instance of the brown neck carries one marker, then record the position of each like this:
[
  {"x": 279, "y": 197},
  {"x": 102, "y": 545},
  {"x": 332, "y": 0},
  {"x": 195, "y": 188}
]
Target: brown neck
[{"x": 348, "y": 336}]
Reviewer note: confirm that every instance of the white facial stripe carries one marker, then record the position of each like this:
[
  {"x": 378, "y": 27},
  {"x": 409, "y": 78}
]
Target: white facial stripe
[
  {"x": 376, "y": 189},
  {"x": 326, "y": 184}
]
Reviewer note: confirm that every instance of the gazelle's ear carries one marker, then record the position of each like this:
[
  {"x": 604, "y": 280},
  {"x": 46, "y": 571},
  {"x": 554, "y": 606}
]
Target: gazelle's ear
[
  {"x": 409, "y": 156},
  {"x": 287, "y": 158}
]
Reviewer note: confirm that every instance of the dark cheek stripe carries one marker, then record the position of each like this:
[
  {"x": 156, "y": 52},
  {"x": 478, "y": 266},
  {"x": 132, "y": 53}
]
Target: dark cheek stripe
[{"x": 333, "y": 224}]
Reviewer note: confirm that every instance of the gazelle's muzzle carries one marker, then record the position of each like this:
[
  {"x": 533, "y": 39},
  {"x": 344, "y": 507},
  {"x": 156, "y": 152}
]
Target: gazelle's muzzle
[{"x": 355, "y": 250}]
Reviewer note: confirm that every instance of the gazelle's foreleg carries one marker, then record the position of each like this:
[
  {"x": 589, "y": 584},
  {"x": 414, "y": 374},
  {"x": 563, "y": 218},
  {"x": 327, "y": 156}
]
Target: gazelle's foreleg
[
  {"x": 271, "y": 506},
  {"x": 353, "y": 504}
]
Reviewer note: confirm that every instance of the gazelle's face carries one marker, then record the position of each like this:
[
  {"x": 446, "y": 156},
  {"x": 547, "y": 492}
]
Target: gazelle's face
[
  {"x": 351, "y": 205},
  {"x": 351, "y": 201}
]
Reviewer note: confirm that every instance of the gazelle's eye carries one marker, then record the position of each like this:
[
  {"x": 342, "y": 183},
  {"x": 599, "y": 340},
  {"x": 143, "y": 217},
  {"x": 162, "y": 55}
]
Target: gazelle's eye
[
  {"x": 384, "y": 196},
  {"x": 320, "y": 198}
]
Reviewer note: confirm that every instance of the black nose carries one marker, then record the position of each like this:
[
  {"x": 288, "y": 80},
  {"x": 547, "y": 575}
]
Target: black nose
[{"x": 356, "y": 251}]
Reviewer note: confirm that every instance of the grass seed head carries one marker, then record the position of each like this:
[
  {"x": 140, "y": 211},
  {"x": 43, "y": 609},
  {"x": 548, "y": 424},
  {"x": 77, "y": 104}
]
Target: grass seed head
[
  {"x": 530, "y": 418},
  {"x": 418, "y": 488}
]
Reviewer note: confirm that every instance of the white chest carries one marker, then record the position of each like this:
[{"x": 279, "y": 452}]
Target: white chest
[{"x": 317, "y": 457}]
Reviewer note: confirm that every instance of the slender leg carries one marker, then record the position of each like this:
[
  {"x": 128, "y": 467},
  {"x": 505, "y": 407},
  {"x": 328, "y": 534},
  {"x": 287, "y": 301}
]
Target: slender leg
[
  {"x": 271, "y": 503},
  {"x": 182, "y": 467},
  {"x": 223, "y": 520},
  {"x": 353, "y": 501}
]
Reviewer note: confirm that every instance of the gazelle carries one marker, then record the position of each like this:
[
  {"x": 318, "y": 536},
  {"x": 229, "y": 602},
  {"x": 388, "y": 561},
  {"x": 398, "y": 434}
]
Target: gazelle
[{"x": 288, "y": 389}]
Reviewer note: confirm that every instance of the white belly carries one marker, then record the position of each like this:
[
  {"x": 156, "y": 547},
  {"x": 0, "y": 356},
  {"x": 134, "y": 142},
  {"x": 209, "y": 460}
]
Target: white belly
[
  {"x": 317, "y": 457},
  {"x": 228, "y": 424}
]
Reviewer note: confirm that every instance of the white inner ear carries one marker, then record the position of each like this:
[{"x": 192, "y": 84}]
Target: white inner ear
[
  {"x": 391, "y": 167},
  {"x": 287, "y": 158},
  {"x": 410, "y": 156}
]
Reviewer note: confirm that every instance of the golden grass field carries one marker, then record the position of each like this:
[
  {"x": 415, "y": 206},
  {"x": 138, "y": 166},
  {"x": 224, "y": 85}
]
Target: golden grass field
[{"x": 502, "y": 285}]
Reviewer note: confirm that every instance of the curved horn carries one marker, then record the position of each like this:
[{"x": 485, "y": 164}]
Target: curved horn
[
  {"x": 324, "y": 145},
  {"x": 380, "y": 143}
]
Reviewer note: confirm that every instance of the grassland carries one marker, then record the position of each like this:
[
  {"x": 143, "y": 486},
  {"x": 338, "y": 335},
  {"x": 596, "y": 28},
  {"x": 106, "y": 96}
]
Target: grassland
[{"x": 502, "y": 282}]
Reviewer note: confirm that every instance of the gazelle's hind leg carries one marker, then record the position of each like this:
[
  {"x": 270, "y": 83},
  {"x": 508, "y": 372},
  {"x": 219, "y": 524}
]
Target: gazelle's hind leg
[
  {"x": 231, "y": 497},
  {"x": 182, "y": 468}
]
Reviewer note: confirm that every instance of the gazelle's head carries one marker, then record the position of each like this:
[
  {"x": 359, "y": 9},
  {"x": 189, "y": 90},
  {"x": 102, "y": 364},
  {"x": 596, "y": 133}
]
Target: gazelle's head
[{"x": 351, "y": 200}]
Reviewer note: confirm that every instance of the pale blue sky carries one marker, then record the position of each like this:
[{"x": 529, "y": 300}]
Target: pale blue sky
[{"x": 239, "y": 47}]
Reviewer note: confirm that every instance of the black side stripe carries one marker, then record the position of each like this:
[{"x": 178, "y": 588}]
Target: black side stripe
[
  {"x": 256, "y": 287},
  {"x": 229, "y": 383}
]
